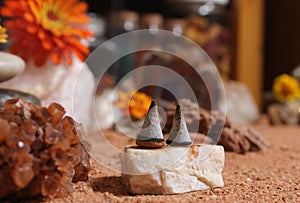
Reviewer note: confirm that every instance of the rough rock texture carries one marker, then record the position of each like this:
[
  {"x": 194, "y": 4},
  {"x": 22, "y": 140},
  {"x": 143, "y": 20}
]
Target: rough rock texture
[
  {"x": 267, "y": 176},
  {"x": 172, "y": 170},
  {"x": 242, "y": 140},
  {"x": 273, "y": 112},
  {"x": 40, "y": 151},
  {"x": 284, "y": 114},
  {"x": 197, "y": 118},
  {"x": 238, "y": 139}
]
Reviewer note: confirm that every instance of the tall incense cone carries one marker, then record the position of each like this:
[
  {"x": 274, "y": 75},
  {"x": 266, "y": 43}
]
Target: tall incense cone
[
  {"x": 179, "y": 135},
  {"x": 151, "y": 135}
]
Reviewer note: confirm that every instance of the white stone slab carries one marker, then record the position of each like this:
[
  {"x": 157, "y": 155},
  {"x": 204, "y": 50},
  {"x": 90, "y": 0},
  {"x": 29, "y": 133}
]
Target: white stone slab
[{"x": 172, "y": 170}]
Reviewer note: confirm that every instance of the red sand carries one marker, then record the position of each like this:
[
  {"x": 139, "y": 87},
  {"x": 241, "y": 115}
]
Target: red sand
[{"x": 270, "y": 176}]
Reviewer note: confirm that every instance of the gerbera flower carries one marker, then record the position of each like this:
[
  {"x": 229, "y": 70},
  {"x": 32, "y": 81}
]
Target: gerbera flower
[
  {"x": 3, "y": 35},
  {"x": 47, "y": 29},
  {"x": 286, "y": 88}
]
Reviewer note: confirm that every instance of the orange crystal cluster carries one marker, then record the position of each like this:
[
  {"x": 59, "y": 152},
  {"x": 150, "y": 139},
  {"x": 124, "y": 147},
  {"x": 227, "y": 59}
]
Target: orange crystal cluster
[{"x": 41, "y": 152}]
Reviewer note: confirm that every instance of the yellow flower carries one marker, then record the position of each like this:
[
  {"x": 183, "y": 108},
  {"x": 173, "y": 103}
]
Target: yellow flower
[
  {"x": 3, "y": 35},
  {"x": 135, "y": 104},
  {"x": 139, "y": 104},
  {"x": 286, "y": 88}
]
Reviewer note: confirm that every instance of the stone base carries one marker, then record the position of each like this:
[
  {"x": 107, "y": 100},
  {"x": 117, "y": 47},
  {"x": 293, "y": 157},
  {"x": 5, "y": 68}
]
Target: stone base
[{"x": 172, "y": 170}]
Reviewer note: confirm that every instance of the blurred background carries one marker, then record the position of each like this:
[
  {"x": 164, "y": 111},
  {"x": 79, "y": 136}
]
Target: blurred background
[
  {"x": 261, "y": 42},
  {"x": 250, "y": 41}
]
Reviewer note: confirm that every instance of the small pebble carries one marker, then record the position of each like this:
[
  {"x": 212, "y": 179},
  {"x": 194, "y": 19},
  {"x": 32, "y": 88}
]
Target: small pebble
[{"x": 10, "y": 66}]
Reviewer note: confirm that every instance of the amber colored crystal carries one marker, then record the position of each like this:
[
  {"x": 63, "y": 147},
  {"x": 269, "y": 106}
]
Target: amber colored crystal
[
  {"x": 57, "y": 112},
  {"x": 28, "y": 131},
  {"x": 83, "y": 165},
  {"x": 52, "y": 135},
  {"x": 40, "y": 151},
  {"x": 12, "y": 141},
  {"x": 30, "y": 127},
  {"x": 12, "y": 105},
  {"x": 70, "y": 130},
  {"x": 46, "y": 164},
  {"x": 22, "y": 172},
  {"x": 50, "y": 185},
  {"x": 22, "y": 175},
  {"x": 41, "y": 116},
  {"x": 60, "y": 157},
  {"x": 4, "y": 130}
]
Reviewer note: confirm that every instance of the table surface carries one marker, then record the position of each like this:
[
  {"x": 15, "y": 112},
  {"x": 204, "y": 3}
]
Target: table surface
[{"x": 269, "y": 176}]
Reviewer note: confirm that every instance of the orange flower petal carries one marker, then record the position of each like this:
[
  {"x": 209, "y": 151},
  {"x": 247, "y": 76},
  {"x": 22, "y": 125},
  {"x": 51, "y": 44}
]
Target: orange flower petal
[
  {"x": 55, "y": 57},
  {"x": 47, "y": 45},
  {"x": 59, "y": 42},
  {"x": 32, "y": 29},
  {"x": 41, "y": 34},
  {"x": 29, "y": 17},
  {"x": 36, "y": 35},
  {"x": 79, "y": 54}
]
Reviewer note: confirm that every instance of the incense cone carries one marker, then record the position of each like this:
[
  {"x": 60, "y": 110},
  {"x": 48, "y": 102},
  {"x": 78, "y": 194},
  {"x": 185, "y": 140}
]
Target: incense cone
[
  {"x": 179, "y": 135},
  {"x": 151, "y": 135}
]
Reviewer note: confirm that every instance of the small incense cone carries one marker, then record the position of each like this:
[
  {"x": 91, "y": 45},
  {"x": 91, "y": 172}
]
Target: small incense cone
[
  {"x": 151, "y": 135},
  {"x": 179, "y": 135}
]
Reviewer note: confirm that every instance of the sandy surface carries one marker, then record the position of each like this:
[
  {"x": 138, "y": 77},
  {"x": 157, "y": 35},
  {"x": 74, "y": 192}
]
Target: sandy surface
[{"x": 270, "y": 176}]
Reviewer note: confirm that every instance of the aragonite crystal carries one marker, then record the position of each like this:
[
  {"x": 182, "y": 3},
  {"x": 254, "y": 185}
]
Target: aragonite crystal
[{"x": 40, "y": 151}]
